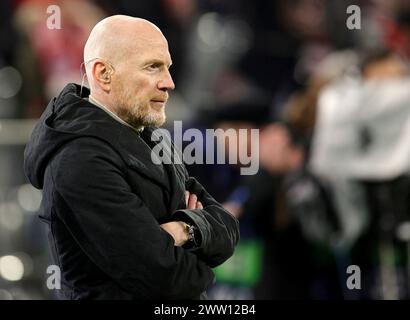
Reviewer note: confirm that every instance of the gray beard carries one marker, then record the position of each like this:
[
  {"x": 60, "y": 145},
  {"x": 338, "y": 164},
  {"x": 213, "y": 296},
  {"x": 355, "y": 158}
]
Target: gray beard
[{"x": 138, "y": 120}]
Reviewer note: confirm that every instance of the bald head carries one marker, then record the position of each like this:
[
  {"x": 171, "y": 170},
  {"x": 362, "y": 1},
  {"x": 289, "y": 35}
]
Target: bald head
[{"x": 116, "y": 37}]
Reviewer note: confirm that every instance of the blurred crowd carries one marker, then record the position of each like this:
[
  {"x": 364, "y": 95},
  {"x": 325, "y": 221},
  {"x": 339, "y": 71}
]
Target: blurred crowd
[{"x": 332, "y": 105}]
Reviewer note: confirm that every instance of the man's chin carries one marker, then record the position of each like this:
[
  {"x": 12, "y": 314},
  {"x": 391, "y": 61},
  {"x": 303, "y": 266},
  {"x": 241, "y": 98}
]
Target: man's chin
[
  {"x": 161, "y": 122},
  {"x": 157, "y": 122}
]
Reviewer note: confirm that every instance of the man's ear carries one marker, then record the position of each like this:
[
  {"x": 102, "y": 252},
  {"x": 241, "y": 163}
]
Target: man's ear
[{"x": 102, "y": 75}]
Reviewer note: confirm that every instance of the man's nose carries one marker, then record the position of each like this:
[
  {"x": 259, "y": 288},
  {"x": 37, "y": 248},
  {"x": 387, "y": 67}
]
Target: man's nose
[{"x": 166, "y": 83}]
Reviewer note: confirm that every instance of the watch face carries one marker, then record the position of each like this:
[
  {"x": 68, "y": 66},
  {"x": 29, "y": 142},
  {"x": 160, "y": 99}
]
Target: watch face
[{"x": 191, "y": 233}]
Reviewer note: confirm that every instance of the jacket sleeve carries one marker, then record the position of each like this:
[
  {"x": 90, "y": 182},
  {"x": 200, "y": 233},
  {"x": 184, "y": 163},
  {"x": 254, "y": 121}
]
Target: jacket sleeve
[
  {"x": 116, "y": 230},
  {"x": 219, "y": 230}
]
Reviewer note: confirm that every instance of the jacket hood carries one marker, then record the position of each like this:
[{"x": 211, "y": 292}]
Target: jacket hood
[{"x": 67, "y": 117}]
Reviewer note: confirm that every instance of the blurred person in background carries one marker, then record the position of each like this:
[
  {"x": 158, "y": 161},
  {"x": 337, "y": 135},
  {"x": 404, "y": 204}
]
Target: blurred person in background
[
  {"x": 265, "y": 264},
  {"x": 121, "y": 226},
  {"x": 360, "y": 150},
  {"x": 50, "y": 58}
]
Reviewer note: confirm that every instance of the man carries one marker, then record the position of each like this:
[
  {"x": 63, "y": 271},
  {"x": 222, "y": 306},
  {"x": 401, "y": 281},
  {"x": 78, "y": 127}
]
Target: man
[{"x": 122, "y": 227}]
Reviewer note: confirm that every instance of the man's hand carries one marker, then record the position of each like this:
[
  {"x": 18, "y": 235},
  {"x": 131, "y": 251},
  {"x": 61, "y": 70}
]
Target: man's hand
[
  {"x": 192, "y": 202},
  {"x": 177, "y": 229}
]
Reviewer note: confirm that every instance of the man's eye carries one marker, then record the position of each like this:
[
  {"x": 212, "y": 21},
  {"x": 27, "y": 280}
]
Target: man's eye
[{"x": 153, "y": 67}]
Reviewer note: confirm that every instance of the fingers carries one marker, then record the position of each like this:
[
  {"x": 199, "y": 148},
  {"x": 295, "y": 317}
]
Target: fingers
[
  {"x": 186, "y": 197},
  {"x": 177, "y": 231},
  {"x": 192, "y": 201}
]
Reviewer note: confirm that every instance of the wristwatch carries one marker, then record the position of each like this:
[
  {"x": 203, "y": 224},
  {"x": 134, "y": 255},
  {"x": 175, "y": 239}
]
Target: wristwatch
[{"x": 190, "y": 229}]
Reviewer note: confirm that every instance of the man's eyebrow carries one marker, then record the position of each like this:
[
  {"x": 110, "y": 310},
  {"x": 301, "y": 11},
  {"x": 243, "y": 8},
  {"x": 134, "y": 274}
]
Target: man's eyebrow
[{"x": 158, "y": 61}]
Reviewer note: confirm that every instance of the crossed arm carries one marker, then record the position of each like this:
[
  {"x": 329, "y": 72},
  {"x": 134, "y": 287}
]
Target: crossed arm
[
  {"x": 177, "y": 229},
  {"x": 121, "y": 236},
  {"x": 116, "y": 230}
]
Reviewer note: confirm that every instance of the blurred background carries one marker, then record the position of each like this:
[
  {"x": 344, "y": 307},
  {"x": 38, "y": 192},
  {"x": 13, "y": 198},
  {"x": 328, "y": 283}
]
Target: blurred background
[{"x": 333, "y": 109}]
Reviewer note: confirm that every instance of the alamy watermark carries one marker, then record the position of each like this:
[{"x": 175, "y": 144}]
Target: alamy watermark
[
  {"x": 238, "y": 147},
  {"x": 354, "y": 281},
  {"x": 54, "y": 18},
  {"x": 54, "y": 278},
  {"x": 353, "y": 21}
]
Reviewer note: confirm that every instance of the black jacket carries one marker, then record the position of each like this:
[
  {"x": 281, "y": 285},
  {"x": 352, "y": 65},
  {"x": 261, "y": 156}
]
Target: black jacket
[{"x": 103, "y": 201}]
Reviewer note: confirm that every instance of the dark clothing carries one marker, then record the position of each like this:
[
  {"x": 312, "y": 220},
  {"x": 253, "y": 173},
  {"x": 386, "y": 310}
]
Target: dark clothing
[{"x": 103, "y": 201}]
